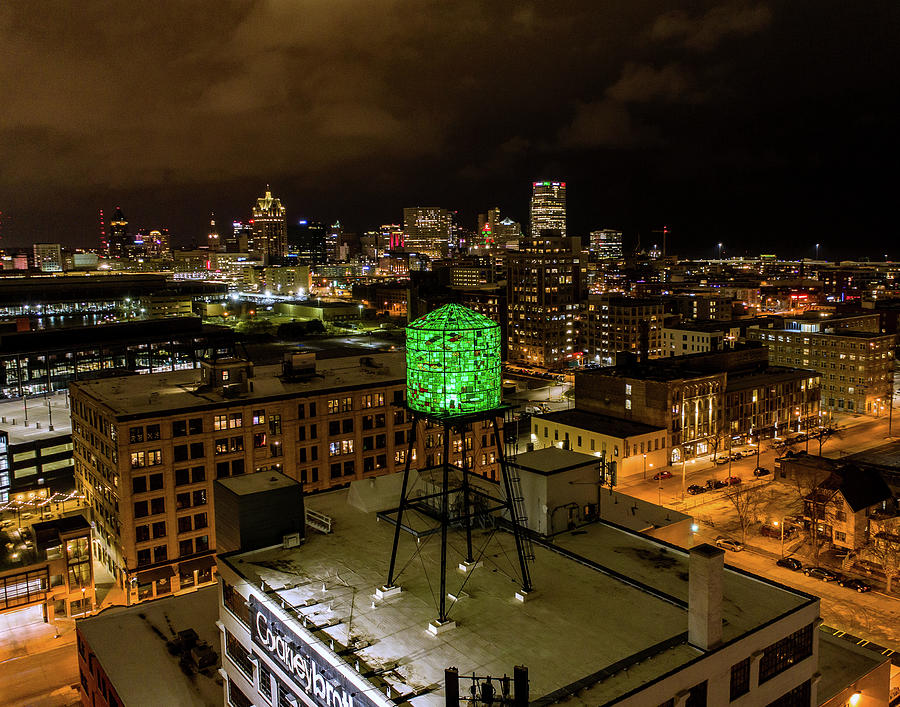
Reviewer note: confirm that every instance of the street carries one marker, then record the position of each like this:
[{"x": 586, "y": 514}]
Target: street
[{"x": 36, "y": 668}]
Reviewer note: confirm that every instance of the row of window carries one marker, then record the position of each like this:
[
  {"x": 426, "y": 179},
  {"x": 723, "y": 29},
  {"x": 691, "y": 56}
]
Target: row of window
[
  {"x": 160, "y": 553},
  {"x": 186, "y": 524}
]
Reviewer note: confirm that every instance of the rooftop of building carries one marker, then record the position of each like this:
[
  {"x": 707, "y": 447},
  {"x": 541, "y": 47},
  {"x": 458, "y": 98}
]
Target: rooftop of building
[
  {"x": 160, "y": 394},
  {"x": 16, "y": 289},
  {"x": 130, "y": 644},
  {"x": 93, "y": 337},
  {"x": 852, "y": 334},
  {"x": 841, "y": 663},
  {"x": 248, "y": 484},
  {"x": 619, "y": 596},
  {"x": 886, "y": 455},
  {"x": 552, "y": 460},
  {"x": 749, "y": 356},
  {"x": 25, "y": 546},
  {"x": 768, "y": 376},
  {"x": 41, "y": 410},
  {"x": 625, "y": 301},
  {"x": 706, "y": 327},
  {"x": 603, "y": 424},
  {"x": 825, "y": 331}
]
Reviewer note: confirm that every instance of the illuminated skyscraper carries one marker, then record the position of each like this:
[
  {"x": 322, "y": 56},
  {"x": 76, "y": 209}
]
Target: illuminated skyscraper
[
  {"x": 427, "y": 230},
  {"x": 544, "y": 289},
  {"x": 118, "y": 235},
  {"x": 269, "y": 227},
  {"x": 606, "y": 244},
  {"x": 548, "y": 207}
]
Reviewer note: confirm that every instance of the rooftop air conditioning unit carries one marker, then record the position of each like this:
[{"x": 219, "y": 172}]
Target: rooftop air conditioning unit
[{"x": 290, "y": 540}]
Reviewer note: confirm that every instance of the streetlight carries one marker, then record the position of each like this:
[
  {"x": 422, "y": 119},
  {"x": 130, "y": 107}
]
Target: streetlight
[
  {"x": 817, "y": 251},
  {"x": 720, "y": 251},
  {"x": 776, "y": 524},
  {"x": 645, "y": 466},
  {"x": 683, "y": 476}
]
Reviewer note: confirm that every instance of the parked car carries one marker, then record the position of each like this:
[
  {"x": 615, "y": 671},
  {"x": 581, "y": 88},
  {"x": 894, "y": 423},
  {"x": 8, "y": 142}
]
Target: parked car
[
  {"x": 729, "y": 544},
  {"x": 694, "y": 489},
  {"x": 733, "y": 481},
  {"x": 820, "y": 573},
  {"x": 790, "y": 563},
  {"x": 761, "y": 471},
  {"x": 736, "y": 456},
  {"x": 660, "y": 475},
  {"x": 713, "y": 484},
  {"x": 853, "y": 583},
  {"x": 722, "y": 460}
]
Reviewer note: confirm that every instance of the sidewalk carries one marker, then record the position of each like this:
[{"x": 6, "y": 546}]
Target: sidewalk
[
  {"x": 18, "y": 641},
  {"x": 108, "y": 592}
]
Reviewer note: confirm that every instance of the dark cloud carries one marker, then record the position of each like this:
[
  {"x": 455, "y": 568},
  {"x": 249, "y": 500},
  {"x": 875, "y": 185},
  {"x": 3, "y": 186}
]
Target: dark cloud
[
  {"x": 354, "y": 109},
  {"x": 708, "y": 29}
]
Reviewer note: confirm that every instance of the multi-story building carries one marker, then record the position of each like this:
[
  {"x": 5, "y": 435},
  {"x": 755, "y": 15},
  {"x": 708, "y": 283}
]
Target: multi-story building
[
  {"x": 427, "y": 230},
  {"x": 681, "y": 338},
  {"x": 35, "y": 450},
  {"x": 269, "y": 228},
  {"x": 47, "y": 570},
  {"x": 118, "y": 234},
  {"x": 701, "y": 398},
  {"x": 615, "y": 324},
  {"x": 700, "y": 306},
  {"x": 606, "y": 244},
  {"x": 544, "y": 291},
  {"x": 635, "y": 447},
  {"x": 280, "y": 279},
  {"x": 682, "y": 634},
  {"x": 857, "y": 367},
  {"x": 46, "y": 360},
  {"x": 48, "y": 257},
  {"x": 769, "y": 402},
  {"x": 548, "y": 208},
  {"x": 148, "y": 449},
  {"x": 306, "y": 240}
]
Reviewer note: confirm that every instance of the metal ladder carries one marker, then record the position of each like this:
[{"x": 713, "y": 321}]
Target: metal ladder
[{"x": 517, "y": 503}]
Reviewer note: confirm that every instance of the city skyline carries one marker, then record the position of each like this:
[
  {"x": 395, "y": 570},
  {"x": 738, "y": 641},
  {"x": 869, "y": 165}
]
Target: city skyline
[{"x": 720, "y": 120}]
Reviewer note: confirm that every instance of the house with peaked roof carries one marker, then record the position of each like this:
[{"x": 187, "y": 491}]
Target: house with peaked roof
[{"x": 845, "y": 502}]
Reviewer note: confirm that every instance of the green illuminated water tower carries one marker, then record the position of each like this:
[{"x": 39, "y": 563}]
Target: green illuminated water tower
[
  {"x": 453, "y": 362},
  {"x": 453, "y": 380}
]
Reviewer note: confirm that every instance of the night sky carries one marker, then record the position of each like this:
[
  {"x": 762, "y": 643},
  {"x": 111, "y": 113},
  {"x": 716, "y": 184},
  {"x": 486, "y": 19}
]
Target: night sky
[{"x": 767, "y": 126}]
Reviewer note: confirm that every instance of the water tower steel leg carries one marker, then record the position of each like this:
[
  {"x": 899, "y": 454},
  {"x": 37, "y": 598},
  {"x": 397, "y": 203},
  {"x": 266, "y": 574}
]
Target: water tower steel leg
[
  {"x": 466, "y": 511},
  {"x": 412, "y": 441},
  {"x": 445, "y": 521},
  {"x": 513, "y": 515}
]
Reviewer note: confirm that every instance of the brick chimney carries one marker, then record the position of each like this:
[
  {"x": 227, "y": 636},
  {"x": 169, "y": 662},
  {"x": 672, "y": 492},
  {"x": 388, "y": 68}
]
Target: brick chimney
[{"x": 707, "y": 565}]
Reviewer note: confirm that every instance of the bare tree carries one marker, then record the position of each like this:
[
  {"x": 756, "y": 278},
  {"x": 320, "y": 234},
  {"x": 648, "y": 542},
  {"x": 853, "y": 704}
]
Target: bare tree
[
  {"x": 823, "y": 433},
  {"x": 807, "y": 482},
  {"x": 746, "y": 501},
  {"x": 884, "y": 548}
]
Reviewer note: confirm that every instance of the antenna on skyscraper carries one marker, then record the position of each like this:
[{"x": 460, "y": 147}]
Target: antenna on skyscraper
[
  {"x": 665, "y": 232},
  {"x": 104, "y": 242}
]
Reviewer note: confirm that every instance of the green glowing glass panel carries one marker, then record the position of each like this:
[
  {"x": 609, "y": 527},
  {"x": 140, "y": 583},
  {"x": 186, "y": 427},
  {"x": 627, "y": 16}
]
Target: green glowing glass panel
[{"x": 453, "y": 362}]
